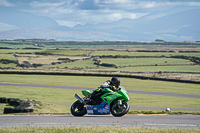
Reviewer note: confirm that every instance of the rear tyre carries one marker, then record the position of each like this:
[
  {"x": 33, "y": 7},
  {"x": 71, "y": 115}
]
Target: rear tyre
[
  {"x": 119, "y": 110},
  {"x": 78, "y": 109}
]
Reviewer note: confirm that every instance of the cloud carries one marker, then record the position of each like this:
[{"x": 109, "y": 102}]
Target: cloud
[
  {"x": 5, "y": 3},
  {"x": 143, "y": 5},
  {"x": 46, "y": 5},
  {"x": 193, "y": 3},
  {"x": 72, "y": 12},
  {"x": 7, "y": 27}
]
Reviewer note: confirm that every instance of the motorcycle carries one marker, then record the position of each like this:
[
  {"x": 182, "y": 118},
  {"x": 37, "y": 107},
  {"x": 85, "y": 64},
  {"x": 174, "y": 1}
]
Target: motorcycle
[{"x": 114, "y": 102}]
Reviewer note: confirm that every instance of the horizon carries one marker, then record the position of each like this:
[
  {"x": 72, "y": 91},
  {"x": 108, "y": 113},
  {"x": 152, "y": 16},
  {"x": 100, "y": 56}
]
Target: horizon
[{"x": 103, "y": 20}]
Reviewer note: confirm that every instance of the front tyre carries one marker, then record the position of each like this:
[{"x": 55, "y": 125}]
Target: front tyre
[
  {"x": 78, "y": 109},
  {"x": 119, "y": 110}
]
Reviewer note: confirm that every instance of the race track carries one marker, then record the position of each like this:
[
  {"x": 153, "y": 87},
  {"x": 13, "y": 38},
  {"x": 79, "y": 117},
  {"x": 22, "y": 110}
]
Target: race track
[
  {"x": 155, "y": 121},
  {"x": 152, "y": 121},
  {"x": 129, "y": 91},
  {"x": 89, "y": 88}
]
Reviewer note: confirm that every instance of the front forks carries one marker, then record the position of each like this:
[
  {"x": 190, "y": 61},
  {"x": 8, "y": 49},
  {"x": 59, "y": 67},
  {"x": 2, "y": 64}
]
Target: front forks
[{"x": 119, "y": 102}]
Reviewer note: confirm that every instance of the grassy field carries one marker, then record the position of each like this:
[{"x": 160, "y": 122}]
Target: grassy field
[
  {"x": 87, "y": 81},
  {"x": 145, "y": 61},
  {"x": 7, "y": 56},
  {"x": 11, "y": 51},
  {"x": 145, "y": 64},
  {"x": 161, "y": 60},
  {"x": 133, "y": 53},
  {"x": 68, "y": 52},
  {"x": 50, "y": 95},
  {"x": 94, "y": 129},
  {"x": 78, "y": 64},
  {"x": 178, "y": 69},
  {"x": 47, "y": 60}
]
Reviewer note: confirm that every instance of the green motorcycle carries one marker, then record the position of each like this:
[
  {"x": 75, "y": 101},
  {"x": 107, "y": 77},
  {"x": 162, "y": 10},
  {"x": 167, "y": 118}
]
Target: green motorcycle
[{"x": 114, "y": 102}]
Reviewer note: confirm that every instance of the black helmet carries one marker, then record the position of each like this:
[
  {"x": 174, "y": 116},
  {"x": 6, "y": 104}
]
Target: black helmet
[{"x": 115, "y": 81}]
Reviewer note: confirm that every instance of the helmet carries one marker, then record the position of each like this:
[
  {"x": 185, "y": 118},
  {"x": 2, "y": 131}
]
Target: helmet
[{"x": 115, "y": 81}]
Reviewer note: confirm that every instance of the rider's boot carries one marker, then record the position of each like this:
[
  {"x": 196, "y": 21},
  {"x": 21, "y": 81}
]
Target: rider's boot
[{"x": 91, "y": 97}]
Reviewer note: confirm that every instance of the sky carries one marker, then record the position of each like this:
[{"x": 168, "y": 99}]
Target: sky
[{"x": 73, "y": 12}]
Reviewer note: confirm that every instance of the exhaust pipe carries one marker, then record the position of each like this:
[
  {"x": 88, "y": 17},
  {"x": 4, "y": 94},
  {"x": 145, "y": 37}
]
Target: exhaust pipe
[{"x": 79, "y": 98}]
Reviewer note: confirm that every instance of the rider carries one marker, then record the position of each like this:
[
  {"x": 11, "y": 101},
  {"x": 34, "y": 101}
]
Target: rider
[{"x": 112, "y": 84}]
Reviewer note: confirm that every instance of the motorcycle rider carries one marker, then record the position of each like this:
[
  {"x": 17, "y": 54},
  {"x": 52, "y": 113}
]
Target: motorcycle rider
[{"x": 112, "y": 84}]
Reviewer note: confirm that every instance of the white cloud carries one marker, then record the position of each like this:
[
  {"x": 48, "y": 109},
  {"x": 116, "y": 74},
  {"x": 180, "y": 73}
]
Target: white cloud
[
  {"x": 116, "y": 1},
  {"x": 7, "y": 27},
  {"x": 41, "y": 5},
  {"x": 69, "y": 13},
  {"x": 155, "y": 16},
  {"x": 150, "y": 5},
  {"x": 193, "y": 3},
  {"x": 5, "y": 3}
]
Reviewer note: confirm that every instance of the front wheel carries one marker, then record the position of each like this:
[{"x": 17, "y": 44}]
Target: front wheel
[
  {"x": 119, "y": 110},
  {"x": 78, "y": 109}
]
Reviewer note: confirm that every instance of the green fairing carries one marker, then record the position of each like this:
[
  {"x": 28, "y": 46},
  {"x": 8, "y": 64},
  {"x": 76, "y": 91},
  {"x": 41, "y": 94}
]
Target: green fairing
[
  {"x": 110, "y": 96},
  {"x": 124, "y": 94},
  {"x": 86, "y": 92}
]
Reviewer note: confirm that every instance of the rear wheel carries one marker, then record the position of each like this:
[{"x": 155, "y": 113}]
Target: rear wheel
[
  {"x": 78, "y": 109},
  {"x": 119, "y": 110}
]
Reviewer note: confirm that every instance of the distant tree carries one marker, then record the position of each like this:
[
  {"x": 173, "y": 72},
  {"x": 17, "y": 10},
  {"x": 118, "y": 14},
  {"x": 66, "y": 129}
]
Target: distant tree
[{"x": 159, "y": 40}]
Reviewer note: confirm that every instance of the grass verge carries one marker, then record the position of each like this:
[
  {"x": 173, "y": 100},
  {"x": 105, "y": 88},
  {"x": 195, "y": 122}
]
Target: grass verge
[{"x": 94, "y": 130}]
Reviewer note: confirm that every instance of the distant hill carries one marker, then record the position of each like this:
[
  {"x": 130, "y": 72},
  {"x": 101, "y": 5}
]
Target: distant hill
[
  {"x": 24, "y": 20},
  {"x": 169, "y": 25}
]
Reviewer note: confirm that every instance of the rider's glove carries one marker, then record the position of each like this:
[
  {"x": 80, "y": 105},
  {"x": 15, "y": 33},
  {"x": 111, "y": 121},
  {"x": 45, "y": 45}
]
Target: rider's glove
[
  {"x": 98, "y": 89},
  {"x": 113, "y": 88}
]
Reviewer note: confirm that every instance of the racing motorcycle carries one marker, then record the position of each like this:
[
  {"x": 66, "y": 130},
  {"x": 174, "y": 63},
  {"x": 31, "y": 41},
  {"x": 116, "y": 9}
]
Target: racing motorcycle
[{"x": 114, "y": 102}]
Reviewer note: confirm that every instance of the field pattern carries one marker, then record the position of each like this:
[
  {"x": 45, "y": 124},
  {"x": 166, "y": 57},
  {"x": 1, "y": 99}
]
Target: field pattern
[
  {"x": 175, "y": 61},
  {"x": 170, "y": 61}
]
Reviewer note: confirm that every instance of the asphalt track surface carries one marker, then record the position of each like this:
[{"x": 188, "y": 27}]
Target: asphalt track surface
[
  {"x": 134, "y": 121},
  {"x": 129, "y": 91}
]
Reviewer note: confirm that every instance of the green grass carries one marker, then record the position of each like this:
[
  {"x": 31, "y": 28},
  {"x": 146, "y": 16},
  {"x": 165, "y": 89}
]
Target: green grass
[
  {"x": 180, "y": 68},
  {"x": 11, "y": 51},
  {"x": 160, "y": 86},
  {"x": 46, "y": 95},
  {"x": 145, "y": 61},
  {"x": 126, "y": 53},
  {"x": 2, "y": 108},
  {"x": 50, "y": 95},
  {"x": 7, "y": 56},
  {"x": 47, "y": 59},
  {"x": 8, "y": 65},
  {"x": 126, "y": 63},
  {"x": 162, "y": 101},
  {"x": 77, "y": 64},
  {"x": 18, "y": 46},
  {"x": 93, "y": 81},
  {"x": 68, "y": 52},
  {"x": 94, "y": 130},
  {"x": 161, "y": 111}
]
